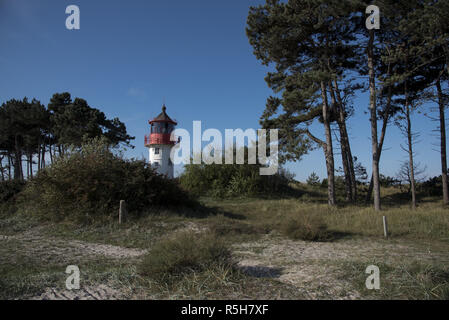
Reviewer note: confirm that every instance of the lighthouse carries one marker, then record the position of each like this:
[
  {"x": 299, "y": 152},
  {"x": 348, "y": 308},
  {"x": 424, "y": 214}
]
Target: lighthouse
[{"x": 159, "y": 143}]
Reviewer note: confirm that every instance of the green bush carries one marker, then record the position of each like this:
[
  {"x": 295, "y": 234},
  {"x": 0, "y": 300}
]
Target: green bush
[
  {"x": 233, "y": 180},
  {"x": 89, "y": 182},
  {"x": 431, "y": 187},
  {"x": 186, "y": 253},
  {"x": 306, "y": 227}
]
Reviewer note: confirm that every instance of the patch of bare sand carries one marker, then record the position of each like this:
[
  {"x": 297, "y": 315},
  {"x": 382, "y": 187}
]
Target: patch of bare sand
[
  {"x": 312, "y": 267},
  {"x": 191, "y": 227},
  {"x": 34, "y": 242}
]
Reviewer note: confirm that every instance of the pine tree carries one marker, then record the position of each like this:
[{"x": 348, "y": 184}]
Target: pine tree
[
  {"x": 313, "y": 179},
  {"x": 310, "y": 42},
  {"x": 428, "y": 31}
]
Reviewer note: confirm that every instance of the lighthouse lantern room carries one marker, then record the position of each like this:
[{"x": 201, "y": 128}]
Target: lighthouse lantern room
[{"x": 159, "y": 143}]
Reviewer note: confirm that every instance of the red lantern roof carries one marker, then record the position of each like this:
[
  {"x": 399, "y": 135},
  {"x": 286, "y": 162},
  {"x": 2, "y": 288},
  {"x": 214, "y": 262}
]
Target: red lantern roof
[{"x": 163, "y": 117}]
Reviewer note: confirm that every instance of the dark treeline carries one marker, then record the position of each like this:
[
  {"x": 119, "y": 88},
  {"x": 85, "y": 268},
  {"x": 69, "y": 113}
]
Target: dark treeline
[
  {"x": 32, "y": 135},
  {"x": 323, "y": 54}
]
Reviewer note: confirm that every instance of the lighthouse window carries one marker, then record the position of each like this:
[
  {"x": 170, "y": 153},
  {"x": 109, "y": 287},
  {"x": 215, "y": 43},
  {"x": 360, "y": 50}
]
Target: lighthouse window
[
  {"x": 156, "y": 151},
  {"x": 156, "y": 164},
  {"x": 156, "y": 127}
]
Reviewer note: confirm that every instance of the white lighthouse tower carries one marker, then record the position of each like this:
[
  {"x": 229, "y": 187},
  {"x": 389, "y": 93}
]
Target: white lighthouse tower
[{"x": 159, "y": 143}]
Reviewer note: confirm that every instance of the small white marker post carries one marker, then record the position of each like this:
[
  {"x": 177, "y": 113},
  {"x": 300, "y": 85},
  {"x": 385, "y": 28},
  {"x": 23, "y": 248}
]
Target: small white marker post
[
  {"x": 385, "y": 226},
  {"x": 122, "y": 211}
]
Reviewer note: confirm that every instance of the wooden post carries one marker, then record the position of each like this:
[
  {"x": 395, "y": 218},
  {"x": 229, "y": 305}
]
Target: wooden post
[
  {"x": 385, "y": 227},
  {"x": 122, "y": 212}
]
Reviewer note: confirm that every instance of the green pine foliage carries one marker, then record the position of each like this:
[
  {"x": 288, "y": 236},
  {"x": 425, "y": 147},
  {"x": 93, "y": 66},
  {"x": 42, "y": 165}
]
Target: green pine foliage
[
  {"x": 313, "y": 179},
  {"x": 32, "y": 133}
]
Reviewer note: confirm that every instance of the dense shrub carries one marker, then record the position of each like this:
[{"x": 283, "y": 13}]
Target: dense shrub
[
  {"x": 306, "y": 227},
  {"x": 10, "y": 189},
  {"x": 231, "y": 180},
  {"x": 431, "y": 187},
  {"x": 91, "y": 180},
  {"x": 186, "y": 253}
]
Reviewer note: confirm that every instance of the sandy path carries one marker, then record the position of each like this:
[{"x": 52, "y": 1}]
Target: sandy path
[
  {"x": 34, "y": 241},
  {"x": 65, "y": 252}
]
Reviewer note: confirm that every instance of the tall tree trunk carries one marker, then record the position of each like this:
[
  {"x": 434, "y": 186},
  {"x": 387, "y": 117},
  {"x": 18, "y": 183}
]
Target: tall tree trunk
[
  {"x": 39, "y": 145},
  {"x": 411, "y": 162},
  {"x": 1, "y": 168},
  {"x": 344, "y": 133},
  {"x": 343, "y": 147},
  {"x": 9, "y": 166},
  {"x": 446, "y": 52},
  {"x": 27, "y": 160},
  {"x": 51, "y": 155},
  {"x": 18, "y": 170},
  {"x": 373, "y": 113},
  {"x": 43, "y": 156},
  {"x": 328, "y": 150},
  {"x": 443, "y": 143},
  {"x": 410, "y": 147},
  {"x": 31, "y": 164},
  {"x": 349, "y": 157},
  {"x": 385, "y": 119}
]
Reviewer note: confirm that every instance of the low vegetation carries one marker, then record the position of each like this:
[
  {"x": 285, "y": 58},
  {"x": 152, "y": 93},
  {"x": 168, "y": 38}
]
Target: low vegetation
[
  {"x": 185, "y": 253},
  {"x": 306, "y": 227}
]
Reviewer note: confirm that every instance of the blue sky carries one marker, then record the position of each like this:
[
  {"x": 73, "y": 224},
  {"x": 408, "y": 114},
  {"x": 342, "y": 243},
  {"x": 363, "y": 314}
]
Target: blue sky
[{"x": 130, "y": 56}]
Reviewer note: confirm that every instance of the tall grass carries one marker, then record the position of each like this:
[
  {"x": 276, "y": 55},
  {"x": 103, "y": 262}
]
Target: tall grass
[{"x": 429, "y": 221}]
